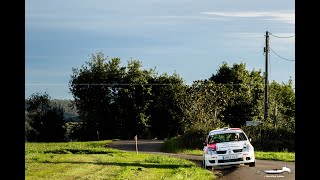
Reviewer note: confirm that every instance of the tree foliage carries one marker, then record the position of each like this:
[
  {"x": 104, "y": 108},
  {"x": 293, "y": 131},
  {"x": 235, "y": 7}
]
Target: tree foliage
[
  {"x": 165, "y": 109},
  {"x": 123, "y": 101},
  {"x": 246, "y": 93},
  {"x": 203, "y": 105},
  {"x": 44, "y": 123},
  {"x": 246, "y": 102},
  {"x": 282, "y": 105}
]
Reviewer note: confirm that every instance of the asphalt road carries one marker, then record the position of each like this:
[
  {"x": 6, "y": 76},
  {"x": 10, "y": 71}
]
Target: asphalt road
[{"x": 228, "y": 172}]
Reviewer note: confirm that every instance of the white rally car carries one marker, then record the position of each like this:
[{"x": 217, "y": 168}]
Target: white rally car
[{"x": 227, "y": 146}]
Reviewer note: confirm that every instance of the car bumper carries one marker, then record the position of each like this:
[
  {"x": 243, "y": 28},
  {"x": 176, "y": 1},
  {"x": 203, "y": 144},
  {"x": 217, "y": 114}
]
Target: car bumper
[{"x": 220, "y": 159}]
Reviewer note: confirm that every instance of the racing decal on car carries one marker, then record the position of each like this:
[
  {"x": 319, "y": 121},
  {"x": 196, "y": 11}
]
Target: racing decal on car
[{"x": 213, "y": 146}]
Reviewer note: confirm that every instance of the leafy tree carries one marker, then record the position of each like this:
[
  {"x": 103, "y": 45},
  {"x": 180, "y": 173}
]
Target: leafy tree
[
  {"x": 133, "y": 100},
  {"x": 111, "y": 100},
  {"x": 165, "y": 109},
  {"x": 90, "y": 86},
  {"x": 121, "y": 102},
  {"x": 282, "y": 105},
  {"x": 44, "y": 123},
  {"x": 246, "y": 90},
  {"x": 203, "y": 105}
]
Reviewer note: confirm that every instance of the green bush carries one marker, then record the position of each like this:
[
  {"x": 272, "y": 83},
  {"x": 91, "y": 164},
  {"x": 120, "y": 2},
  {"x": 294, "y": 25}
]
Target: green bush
[
  {"x": 192, "y": 139},
  {"x": 271, "y": 139}
]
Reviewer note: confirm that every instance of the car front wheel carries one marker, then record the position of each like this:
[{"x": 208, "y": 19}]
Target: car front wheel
[
  {"x": 253, "y": 164},
  {"x": 204, "y": 164}
]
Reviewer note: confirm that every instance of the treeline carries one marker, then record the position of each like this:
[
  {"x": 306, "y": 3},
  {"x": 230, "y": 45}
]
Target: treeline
[
  {"x": 69, "y": 109},
  {"x": 114, "y": 101}
]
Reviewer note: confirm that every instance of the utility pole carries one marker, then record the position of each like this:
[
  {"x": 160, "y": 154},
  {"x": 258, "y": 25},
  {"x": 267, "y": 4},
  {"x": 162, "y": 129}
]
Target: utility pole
[{"x": 266, "y": 79}]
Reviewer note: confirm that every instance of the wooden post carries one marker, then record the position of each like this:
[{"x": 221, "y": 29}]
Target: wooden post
[{"x": 136, "y": 139}]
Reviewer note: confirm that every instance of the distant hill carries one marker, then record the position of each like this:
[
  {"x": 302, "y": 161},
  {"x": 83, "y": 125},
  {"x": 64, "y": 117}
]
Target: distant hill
[{"x": 70, "y": 110}]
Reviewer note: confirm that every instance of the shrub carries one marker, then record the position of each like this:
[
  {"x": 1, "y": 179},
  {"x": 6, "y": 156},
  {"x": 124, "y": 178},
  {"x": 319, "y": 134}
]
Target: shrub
[{"x": 271, "y": 139}]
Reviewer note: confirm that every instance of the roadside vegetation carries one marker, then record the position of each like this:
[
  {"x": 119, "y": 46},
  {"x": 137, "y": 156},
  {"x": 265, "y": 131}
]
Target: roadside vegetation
[
  {"x": 277, "y": 156},
  {"x": 92, "y": 160},
  {"x": 174, "y": 145}
]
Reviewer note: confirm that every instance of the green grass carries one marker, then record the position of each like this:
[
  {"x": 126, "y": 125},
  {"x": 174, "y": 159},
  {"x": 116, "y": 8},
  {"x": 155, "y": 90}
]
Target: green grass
[
  {"x": 278, "y": 156},
  {"x": 191, "y": 151},
  {"x": 172, "y": 145},
  {"x": 92, "y": 160}
]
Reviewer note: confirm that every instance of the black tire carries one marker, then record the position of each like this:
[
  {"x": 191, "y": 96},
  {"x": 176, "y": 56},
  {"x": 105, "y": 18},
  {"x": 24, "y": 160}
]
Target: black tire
[
  {"x": 253, "y": 164},
  {"x": 204, "y": 164}
]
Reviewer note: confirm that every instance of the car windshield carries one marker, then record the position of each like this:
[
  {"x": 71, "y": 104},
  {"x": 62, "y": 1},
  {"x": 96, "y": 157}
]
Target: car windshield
[{"x": 226, "y": 137}]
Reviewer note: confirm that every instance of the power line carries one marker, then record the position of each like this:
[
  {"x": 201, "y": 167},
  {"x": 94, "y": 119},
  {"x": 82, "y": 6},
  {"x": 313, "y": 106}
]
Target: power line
[
  {"x": 124, "y": 84},
  {"x": 101, "y": 84},
  {"x": 105, "y": 84},
  {"x": 283, "y": 36},
  {"x": 281, "y": 56}
]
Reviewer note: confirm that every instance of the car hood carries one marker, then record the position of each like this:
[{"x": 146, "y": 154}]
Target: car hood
[{"x": 224, "y": 146}]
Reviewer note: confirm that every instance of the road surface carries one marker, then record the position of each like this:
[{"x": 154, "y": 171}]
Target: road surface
[{"x": 230, "y": 172}]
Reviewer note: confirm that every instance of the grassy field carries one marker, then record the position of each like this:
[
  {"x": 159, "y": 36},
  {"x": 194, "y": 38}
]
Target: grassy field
[
  {"x": 92, "y": 160},
  {"x": 171, "y": 145},
  {"x": 279, "y": 156}
]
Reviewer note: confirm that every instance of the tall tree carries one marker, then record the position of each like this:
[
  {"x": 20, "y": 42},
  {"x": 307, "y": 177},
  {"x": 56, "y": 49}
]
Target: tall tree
[
  {"x": 133, "y": 101},
  {"x": 282, "y": 105},
  {"x": 92, "y": 88},
  {"x": 203, "y": 105},
  {"x": 111, "y": 100},
  {"x": 247, "y": 90},
  {"x": 165, "y": 109}
]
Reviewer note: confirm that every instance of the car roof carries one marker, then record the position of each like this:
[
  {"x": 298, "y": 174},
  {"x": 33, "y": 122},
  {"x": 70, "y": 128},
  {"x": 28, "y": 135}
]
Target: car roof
[{"x": 225, "y": 130}]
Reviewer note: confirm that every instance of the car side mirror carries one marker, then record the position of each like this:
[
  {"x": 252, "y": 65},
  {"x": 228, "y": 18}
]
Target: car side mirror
[{"x": 249, "y": 139}]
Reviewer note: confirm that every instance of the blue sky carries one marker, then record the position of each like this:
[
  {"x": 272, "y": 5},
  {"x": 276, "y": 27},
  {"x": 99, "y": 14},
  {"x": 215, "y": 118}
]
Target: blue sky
[{"x": 191, "y": 38}]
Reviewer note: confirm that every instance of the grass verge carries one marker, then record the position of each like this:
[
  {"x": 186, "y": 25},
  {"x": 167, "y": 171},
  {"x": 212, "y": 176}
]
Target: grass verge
[{"x": 92, "y": 160}]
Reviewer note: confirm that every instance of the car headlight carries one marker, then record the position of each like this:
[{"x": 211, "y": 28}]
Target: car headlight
[
  {"x": 211, "y": 151},
  {"x": 246, "y": 148}
]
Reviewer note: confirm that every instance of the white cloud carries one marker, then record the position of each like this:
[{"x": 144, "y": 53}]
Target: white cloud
[
  {"x": 186, "y": 17},
  {"x": 283, "y": 16}
]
